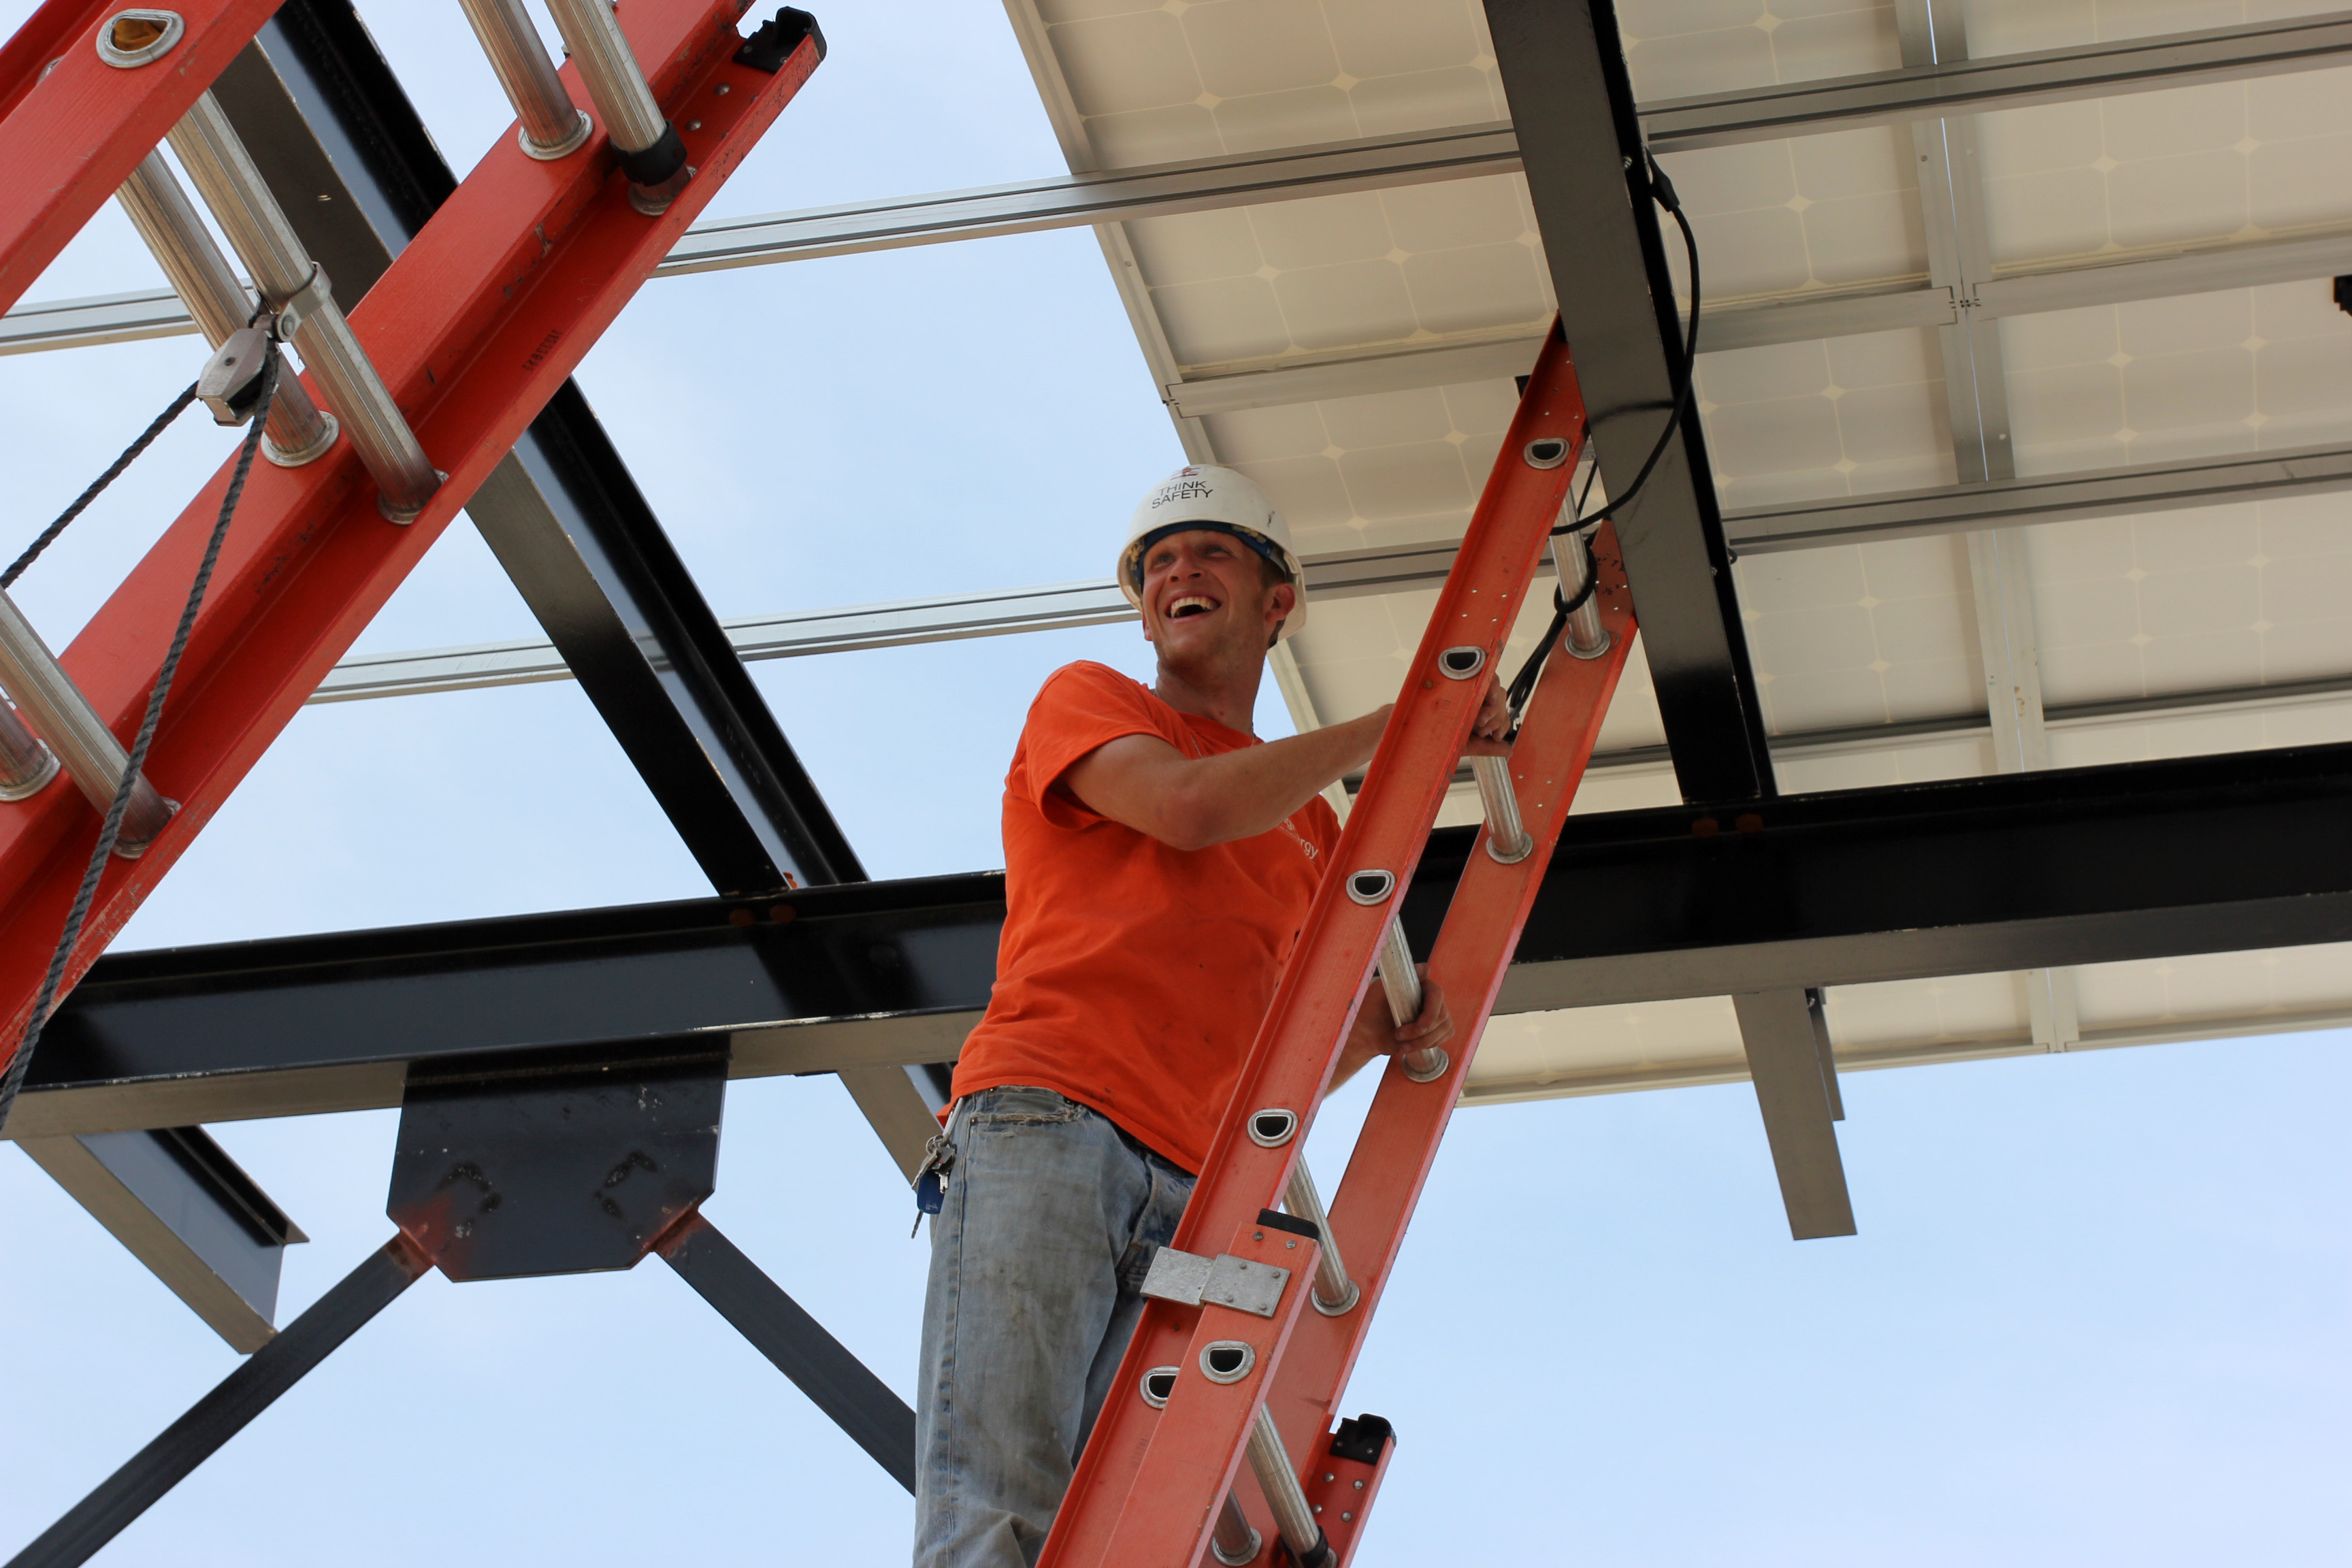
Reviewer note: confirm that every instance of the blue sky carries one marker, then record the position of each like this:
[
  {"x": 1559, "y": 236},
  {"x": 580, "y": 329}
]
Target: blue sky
[{"x": 2097, "y": 1312}]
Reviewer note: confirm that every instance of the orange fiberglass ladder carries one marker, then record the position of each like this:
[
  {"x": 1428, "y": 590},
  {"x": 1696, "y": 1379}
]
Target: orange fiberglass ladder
[
  {"x": 1256, "y": 1319},
  {"x": 424, "y": 387}
]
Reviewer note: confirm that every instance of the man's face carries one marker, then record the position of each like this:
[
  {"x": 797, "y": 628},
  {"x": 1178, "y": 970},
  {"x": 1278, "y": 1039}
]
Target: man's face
[{"x": 1206, "y": 594}]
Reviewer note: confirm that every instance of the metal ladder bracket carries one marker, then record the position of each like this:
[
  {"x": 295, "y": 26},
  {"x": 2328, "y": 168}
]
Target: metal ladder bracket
[{"x": 1345, "y": 1478}]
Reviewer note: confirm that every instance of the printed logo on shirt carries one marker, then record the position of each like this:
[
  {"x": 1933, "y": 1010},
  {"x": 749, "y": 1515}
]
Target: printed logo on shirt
[{"x": 1303, "y": 841}]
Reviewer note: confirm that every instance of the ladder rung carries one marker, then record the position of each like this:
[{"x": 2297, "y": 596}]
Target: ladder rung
[
  {"x": 1293, "y": 1514},
  {"x": 258, "y": 230},
  {"x": 653, "y": 155},
  {"x": 87, "y": 747},
  {"x": 25, "y": 764},
  {"x": 552, "y": 125},
  {"x": 160, "y": 210},
  {"x": 1334, "y": 1292}
]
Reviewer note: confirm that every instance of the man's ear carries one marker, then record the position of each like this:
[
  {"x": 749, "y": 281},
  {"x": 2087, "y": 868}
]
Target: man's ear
[{"x": 1281, "y": 603}]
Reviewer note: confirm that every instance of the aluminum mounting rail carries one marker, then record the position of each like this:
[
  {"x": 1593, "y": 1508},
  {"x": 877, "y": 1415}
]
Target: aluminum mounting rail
[
  {"x": 1950, "y": 508},
  {"x": 1384, "y": 162},
  {"x": 2001, "y": 81},
  {"x": 1759, "y": 320}
]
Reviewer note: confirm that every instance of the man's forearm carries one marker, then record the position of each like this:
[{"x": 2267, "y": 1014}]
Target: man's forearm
[{"x": 1240, "y": 795}]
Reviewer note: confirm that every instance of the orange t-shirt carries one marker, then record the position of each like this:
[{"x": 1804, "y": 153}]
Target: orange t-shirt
[{"x": 1132, "y": 976}]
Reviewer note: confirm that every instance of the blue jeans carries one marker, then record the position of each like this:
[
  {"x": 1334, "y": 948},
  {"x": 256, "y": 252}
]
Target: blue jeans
[{"x": 1038, "y": 1255}]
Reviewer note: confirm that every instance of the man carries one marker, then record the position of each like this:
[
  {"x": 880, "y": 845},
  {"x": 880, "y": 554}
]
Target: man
[{"x": 1159, "y": 861}]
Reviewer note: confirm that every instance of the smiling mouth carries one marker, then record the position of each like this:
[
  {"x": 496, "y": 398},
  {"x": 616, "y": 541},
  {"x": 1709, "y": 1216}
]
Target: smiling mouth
[{"x": 1192, "y": 605}]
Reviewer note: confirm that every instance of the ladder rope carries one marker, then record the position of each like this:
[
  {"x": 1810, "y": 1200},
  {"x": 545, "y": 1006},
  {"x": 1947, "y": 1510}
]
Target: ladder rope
[
  {"x": 18, "y": 1064},
  {"x": 114, "y": 471}
]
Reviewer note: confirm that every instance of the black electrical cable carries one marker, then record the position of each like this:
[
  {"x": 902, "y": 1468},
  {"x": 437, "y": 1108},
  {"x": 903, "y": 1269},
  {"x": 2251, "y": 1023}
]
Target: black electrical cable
[
  {"x": 13, "y": 1078},
  {"x": 1523, "y": 685},
  {"x": 1662, "y": 191},
  {"x": 114, "y": 471}
]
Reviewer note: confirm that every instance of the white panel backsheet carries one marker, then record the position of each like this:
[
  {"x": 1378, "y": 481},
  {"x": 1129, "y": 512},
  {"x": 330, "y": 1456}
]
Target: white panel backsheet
[{"x": 2247, "y": 596}]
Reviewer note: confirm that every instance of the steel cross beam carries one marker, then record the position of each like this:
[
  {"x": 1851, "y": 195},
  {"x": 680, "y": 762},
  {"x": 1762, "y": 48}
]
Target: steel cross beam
[
  {"x": 1847, "y": 887},
  {"x": 473, "y": 329}
]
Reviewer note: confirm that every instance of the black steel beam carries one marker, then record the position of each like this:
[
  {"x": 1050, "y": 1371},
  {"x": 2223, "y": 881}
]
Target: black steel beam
[
  {"x": 1968, "y": 875},
  {"x": 359, "y": 176},
  {"x": 867, "y": 974},
  {"x": 1564, "y": 73},
  {"x": 189, "y": 1212},
  {"x": 224, "y": 1411},
  {"x": 779, "y": 1327}
]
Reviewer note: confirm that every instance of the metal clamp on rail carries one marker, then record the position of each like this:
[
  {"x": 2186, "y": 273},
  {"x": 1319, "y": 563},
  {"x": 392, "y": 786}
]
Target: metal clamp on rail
[
  {"x": 552, "y": 126},
  {"x": 83, "y": 743},
  {"x": 258, "y": 230},
  {"x": 160, "y": 210},
  {"x": 651, "y": 153}
]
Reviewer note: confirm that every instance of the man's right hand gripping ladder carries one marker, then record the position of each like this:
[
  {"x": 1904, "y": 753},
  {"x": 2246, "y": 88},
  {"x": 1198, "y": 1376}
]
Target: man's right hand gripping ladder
[{"x": 1217, "y": 1441}]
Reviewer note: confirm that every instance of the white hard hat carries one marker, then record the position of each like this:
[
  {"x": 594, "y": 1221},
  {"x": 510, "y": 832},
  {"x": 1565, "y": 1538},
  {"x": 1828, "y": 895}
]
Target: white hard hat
[{"x": 1221, "y": 499}]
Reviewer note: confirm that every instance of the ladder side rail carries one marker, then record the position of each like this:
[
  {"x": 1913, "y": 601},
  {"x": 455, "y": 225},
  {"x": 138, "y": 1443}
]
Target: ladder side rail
[
  {"x": 473, "y": 328},
  {"x": 1299, "y": 1044},
  {"x": 1399, "y": 1141},
  {"x": 80, "y": 127}
]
